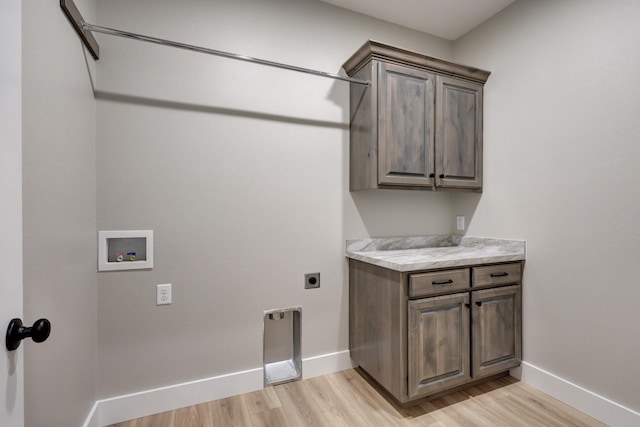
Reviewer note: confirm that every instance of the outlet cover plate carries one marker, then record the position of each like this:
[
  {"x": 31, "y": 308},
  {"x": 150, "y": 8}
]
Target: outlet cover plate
[
  {"x": 163, "y": 294},
  {"x": 312, "y": 280}
]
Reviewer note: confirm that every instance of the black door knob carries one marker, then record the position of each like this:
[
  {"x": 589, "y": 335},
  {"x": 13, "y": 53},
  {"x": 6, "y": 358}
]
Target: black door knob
[{"x": 16, "y": 332}]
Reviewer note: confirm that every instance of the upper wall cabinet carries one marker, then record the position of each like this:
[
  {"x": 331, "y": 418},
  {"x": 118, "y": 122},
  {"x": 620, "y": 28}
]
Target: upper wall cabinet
[{"x": 419, "y": 123}]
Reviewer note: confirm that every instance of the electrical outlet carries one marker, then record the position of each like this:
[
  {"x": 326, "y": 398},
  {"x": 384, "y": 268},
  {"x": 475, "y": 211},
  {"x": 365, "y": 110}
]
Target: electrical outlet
[
  {"x": 163, "y": 294},
  {"x": 460, "y": 223},
  {"x": 312, "y": 280}
]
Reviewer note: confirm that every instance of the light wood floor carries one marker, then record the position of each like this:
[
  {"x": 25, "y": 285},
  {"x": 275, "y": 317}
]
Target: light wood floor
[{"x": 351, "y": 399}]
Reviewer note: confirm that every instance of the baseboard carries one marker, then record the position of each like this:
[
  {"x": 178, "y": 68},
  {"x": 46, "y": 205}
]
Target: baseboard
[
  {"x": 93, "y": 419},
  {"x": 122, "y": 408},
  {"x": 592, "y": 404}
]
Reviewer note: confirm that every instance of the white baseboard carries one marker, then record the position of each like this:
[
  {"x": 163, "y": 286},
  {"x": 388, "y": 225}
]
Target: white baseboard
[
  {"x": 592, "y": 404},
  {"x": 93, "y": 420},
  {"x": 136, "y": 405}
]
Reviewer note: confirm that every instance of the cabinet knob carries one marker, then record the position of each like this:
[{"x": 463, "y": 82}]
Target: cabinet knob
[
  {"x": 432, "y": 175},
  {"x": 479, "y": 303},
  {"x": 441, "y": 176},
  {"x": 16, "y": 332}
]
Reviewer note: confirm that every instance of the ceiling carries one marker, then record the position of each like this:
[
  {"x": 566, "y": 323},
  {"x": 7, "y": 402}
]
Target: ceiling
[{"x": 448, "y": 19}]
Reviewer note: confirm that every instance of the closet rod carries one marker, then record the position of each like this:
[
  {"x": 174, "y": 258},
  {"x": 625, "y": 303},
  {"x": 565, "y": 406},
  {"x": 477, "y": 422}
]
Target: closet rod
[{"x": 110, "y": 31}]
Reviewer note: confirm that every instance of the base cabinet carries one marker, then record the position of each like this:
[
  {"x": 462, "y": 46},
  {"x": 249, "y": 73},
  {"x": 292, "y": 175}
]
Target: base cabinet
[
  {"x": 438, "y": 341},
  {"x": 496, "y": 322},
  {"x": 422, "y": 333}
]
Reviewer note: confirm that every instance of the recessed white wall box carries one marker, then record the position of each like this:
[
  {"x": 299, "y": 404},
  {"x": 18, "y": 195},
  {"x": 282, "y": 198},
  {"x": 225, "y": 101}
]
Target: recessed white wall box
[{"x": 125, "y": 250}]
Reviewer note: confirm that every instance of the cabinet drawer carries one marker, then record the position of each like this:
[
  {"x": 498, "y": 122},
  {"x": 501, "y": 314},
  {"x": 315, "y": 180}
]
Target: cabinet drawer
[
  {"x": 439, "y": 282},
  {"x": 496, "y": 275}
]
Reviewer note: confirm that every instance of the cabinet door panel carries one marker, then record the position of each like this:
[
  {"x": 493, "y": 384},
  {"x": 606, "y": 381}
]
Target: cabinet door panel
[
  {"x": 459, "y": 133},
  {"x": 497, "y": 324},
  {"x": 438, "y": 344},
  {"x": 406, "y": 126}
]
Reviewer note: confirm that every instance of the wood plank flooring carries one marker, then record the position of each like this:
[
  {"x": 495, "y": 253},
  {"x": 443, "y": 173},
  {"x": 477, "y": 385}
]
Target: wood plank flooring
[{"x": 351, "y": 399}]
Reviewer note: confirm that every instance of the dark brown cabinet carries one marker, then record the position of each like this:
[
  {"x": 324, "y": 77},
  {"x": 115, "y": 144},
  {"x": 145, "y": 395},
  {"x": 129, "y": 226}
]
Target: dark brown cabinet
[
  {"x": 458, "y": 148},
  {"x": 406, "y": 126},
  {"x": 438, "y": 340},
  {"x": 418, "y": 124},
  {"x": 496, "y": 323},
  {"x": 422, "y": 333}
]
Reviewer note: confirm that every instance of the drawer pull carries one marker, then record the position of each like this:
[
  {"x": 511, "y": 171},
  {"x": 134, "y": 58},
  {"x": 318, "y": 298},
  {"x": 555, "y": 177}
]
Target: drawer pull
[
  {"x": 499, "y": 274},
  {"x": 479, "y": 303},
  {"x": 443, "y": 282}
]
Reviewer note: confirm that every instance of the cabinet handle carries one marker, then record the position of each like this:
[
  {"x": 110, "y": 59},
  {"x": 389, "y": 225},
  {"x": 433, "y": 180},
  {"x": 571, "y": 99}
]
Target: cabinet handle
[
  {"x": 479, "y": 303},
  {"x": 444, "y": 282},
  {"x": 441, "y": 176},
  {"x": 432, "y": 175},
  {"x": 468, "y": 305},
  {"x": 499, "y": 274}
]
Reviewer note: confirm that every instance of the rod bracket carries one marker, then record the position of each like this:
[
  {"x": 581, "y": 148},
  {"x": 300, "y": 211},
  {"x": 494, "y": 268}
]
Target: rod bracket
[{"x": 77, "y": 21}]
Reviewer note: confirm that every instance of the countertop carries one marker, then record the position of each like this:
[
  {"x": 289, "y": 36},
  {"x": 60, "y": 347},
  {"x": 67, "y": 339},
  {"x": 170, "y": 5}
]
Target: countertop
[{"x": 430, "y": 252}]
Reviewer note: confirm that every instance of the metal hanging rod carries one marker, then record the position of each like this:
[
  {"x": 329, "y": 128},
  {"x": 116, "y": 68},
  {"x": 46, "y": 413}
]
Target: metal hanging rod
[
  {"x": 85, "y": 29},
  {"x": 148, "y": 39}
]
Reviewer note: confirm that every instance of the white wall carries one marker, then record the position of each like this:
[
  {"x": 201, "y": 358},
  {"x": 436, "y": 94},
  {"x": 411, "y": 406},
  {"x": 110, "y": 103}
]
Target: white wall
[
  {"x": 59, "y": 199},
  {"x": 241, "y": 171},
  {"x": 561, "y": 171}
]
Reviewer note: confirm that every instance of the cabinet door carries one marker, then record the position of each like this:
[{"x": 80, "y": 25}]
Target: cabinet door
[
  {"x": 438, "y": 343},
  {"x": 496, "y": 323},
  {"x": 405, "y": 126},
  {"x": 458, "y": 133}
]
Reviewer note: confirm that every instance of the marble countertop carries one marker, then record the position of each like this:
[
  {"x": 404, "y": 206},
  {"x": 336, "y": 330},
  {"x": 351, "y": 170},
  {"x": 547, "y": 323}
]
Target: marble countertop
[{"x": 429, "y": 252}]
